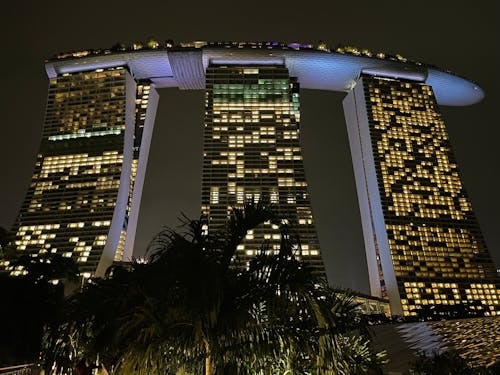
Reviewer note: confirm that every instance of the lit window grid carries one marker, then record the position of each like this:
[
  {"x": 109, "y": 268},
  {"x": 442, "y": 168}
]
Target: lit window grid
[
  {"x": 252, "y": 151},
  {"x": 71, "y": 199},
  {"x": 427, "y": 293},
  {"x": 121, "y": 246},
  {"x": 432, "y": 232},
  {"x": 72, "y": 195},
  {"x": 86, "y": 102},
  {"x": 434, "y": 251}
]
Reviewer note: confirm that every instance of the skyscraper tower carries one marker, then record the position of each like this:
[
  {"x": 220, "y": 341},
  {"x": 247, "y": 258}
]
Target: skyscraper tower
[
  {"x": 85, "y": 190},
  {"x": 424, "y": 247},
  {"x": 251, "y": 151}
]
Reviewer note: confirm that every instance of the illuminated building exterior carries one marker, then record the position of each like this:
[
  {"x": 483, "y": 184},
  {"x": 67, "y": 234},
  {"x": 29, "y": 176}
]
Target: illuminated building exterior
[
  {"x": 81, "y": 201},
  {"x": 251, "y": 151},
  {"x": 424, "y": 247}
]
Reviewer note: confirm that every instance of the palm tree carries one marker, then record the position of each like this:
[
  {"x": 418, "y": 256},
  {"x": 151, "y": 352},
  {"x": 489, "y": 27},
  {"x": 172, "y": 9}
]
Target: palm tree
[{"x": 193, "y": 308}]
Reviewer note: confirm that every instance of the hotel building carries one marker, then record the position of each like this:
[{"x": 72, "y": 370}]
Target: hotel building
[
  {"x": 424, "y": 247},
  {"x": 85, "y": 190},
  {"x": 251, "y": 151},
  {"x": 425, "y": 251}
]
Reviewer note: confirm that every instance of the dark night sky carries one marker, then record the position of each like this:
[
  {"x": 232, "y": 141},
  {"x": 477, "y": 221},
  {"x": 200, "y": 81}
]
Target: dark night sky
[{"x": 461, "y": 38}]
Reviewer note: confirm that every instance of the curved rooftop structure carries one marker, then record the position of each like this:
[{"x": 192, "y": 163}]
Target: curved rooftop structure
[{"x": 318, "y": 68}]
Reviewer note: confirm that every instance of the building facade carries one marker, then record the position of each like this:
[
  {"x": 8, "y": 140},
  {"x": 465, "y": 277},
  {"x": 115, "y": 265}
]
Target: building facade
[
  {"x": 251, "y": 152},
  {"x": 83, "y": 198},
  {"x": 424, "y": 247}
]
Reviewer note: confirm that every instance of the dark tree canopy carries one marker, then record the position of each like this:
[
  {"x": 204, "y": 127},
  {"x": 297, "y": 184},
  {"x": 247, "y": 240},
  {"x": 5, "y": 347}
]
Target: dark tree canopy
[{"x": 192, "y": 307}]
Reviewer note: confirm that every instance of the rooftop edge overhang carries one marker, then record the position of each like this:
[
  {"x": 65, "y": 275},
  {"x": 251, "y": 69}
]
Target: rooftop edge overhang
[{"x": 317, "y": 70}]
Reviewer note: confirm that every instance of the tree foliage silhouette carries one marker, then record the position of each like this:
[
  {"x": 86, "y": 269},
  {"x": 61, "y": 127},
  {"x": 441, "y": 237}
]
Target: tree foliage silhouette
[{"x": 194, "y": 308}]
